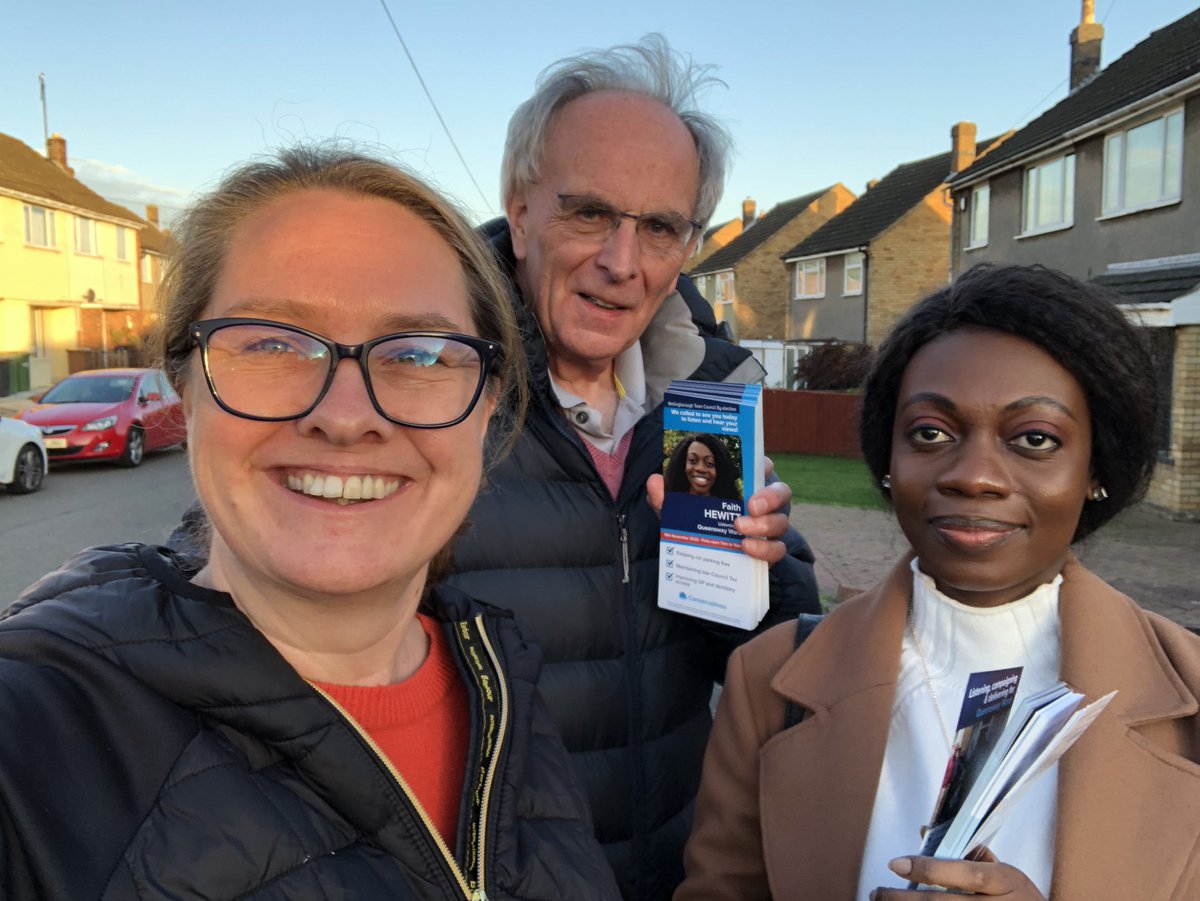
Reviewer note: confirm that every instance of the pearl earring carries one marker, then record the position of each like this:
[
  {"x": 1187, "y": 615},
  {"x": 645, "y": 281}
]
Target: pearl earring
[
  {"x": 1099, "y": 493},
  {"x": 886, "y": 482}
]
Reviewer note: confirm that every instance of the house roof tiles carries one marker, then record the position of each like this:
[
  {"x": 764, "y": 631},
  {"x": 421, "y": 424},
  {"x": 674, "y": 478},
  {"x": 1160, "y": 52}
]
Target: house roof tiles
[
  {"x": 1166, "y": 57},
  {"x": 872, "y": 213},
  {"x": 1159, "y": 285},
  {"x": 25, "y": 170},
  {"x": 753, "y": 237},
  {"x": 155, "y": 240}
]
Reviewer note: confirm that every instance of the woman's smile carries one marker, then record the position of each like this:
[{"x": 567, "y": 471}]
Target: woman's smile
[{"x": 969, "y": 534}]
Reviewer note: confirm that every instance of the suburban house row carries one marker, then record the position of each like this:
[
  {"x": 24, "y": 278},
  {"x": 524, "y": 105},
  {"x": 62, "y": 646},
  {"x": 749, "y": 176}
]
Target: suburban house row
[
  {"x": 78, "y": 273},
  {"x": 1104, "y": 185}
]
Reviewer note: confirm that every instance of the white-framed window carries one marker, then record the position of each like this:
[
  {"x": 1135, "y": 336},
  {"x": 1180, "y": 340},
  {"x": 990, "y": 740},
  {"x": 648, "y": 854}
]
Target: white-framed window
[
  {"x": 39, "y": 226},
  {"x": 810, "y": 278},
  {"x": 852, "y": 280},
  {"x": 978, "y": 210},
  {"x": 85, "y": 236},
  {"x": 147, "y": 268},
  {"x": 1143, "y": 165},
  {"x": 122, "y": 246},
  {"x": 1049, "y": 195},
  {"x": 725, "y": 287}
]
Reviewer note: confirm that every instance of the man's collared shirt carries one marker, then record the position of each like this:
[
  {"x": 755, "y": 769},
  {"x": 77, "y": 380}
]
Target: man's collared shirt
[{"x": 630, "y": 377}]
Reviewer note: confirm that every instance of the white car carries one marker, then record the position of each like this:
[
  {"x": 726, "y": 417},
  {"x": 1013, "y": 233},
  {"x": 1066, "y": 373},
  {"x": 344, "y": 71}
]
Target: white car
[{"x": 22, "y": 456}]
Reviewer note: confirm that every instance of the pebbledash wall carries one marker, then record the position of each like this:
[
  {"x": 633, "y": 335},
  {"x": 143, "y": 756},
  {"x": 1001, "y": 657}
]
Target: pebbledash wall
[{"x": 1176, "y": 485}]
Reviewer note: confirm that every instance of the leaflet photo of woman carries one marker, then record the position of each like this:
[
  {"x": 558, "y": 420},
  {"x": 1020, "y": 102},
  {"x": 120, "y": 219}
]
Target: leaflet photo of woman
[{"x": 703, "y": 464}]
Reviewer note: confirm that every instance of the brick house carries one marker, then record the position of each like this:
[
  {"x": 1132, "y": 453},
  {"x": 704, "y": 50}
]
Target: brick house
[
  {"x": 744, "y": 280},
  {"x": 1105, "y": 185},
  {"x": 717, "y": 236},
  {"x": 852, "y": 278},
  {"x": 154, "y": 246}
]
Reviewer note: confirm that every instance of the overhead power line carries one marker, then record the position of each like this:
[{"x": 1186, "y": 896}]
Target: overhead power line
[{"x": 487, "y": 204}]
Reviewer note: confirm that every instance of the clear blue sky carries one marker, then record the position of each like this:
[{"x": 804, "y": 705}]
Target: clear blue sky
[{"x": 157, "y": 99}]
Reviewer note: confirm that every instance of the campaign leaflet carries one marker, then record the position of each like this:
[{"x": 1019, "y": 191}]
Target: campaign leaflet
[
  {"x": 986, "y": 703},
  {"x": 995, "y": 761},
  {"x": 712, "y": 462}
]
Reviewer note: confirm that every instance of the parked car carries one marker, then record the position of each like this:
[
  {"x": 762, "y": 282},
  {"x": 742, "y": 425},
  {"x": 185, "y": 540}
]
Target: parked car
[
  {"x": 22, "y": 456},
  {"x": 108, "y": 414}
]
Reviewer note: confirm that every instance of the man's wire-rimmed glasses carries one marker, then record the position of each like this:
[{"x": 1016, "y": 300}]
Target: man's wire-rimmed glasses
[
  {"x": 665, "y": 234},
  {"x": 273, "y": 372}
]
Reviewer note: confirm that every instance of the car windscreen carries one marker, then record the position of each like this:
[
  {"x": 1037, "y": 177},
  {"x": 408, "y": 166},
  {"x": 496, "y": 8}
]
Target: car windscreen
[{"x": 91, "y": 390}]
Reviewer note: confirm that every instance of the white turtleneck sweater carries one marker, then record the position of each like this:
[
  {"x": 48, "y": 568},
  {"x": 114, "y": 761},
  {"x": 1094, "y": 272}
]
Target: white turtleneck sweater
[{"x": 959, "y": 640}]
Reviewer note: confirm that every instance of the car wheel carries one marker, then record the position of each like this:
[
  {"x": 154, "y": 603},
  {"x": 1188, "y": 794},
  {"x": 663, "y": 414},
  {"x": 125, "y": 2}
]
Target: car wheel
[
  {"x": 135, "y": 448},
  {"x": 28, "y": 471}
]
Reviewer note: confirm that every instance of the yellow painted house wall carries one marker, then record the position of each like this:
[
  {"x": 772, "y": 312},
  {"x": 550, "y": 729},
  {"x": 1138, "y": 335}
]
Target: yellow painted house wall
[{"x": 51, "y": 285}]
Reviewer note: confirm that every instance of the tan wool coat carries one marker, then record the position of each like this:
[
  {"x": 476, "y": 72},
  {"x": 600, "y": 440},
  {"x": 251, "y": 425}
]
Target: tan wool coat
[{"x": 784, "y": 814}]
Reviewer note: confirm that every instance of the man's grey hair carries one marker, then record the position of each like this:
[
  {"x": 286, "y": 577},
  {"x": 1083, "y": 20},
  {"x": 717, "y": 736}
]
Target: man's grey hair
[{"x": 650, "y": 68}]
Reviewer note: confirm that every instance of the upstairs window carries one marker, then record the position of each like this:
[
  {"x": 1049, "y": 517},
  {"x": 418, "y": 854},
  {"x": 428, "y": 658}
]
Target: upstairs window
[
  {"x": 39, "y": 227},
  {"x": 85, "y": 236},
  {"x": 852, "y": 283},
  {"x": 978, "y": 210},
  {"x": 147, "y": 268},
  {"x": 810, "y": 279},
  {"x": 1049, "y": 195},
  {"x": 1143, "y": 165},
  {"x": 122, "y": 247}
]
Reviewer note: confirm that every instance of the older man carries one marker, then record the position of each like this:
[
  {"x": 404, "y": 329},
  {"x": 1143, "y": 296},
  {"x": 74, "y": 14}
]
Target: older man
[{"x": 609, "y": 174}]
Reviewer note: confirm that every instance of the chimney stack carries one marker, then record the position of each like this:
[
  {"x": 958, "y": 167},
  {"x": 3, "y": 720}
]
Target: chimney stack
[
  {"x": 962, "y": 146},
  {"x": 152, "y": 214},
  {"x": 1085, "y": 46},
  {"x": 748, "y": 209},
  {"x": 56, "y": 150}
]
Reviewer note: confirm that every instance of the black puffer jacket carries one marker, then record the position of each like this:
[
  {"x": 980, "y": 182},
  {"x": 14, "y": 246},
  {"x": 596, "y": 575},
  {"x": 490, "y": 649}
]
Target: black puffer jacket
[
  {"x": 628, "y": 684},
  {"x": 156, "y": 746}
]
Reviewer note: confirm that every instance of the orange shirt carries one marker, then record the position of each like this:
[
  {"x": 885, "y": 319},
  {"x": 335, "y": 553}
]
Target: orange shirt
[{"x": 423, "y": 726}]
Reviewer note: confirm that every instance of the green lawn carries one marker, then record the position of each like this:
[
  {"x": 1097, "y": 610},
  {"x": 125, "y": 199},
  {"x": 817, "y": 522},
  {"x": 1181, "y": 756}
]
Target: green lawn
[{"x": 833, "y": 481}]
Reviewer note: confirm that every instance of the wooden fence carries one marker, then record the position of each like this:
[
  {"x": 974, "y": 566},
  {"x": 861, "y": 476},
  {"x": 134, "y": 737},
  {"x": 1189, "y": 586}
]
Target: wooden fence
[
  {"x": 811, "y": 422},
  {"x": 118, "y": 357}
]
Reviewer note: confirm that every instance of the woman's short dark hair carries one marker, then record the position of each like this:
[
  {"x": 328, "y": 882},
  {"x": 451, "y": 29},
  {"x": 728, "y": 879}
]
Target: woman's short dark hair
[
  {"x": 725, "y": 485},
  {"x": 1079, "y": 325}
]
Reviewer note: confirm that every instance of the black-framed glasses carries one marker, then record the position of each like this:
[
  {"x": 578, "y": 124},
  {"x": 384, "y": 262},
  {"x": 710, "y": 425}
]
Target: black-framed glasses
[
  {"x": 663, "y": 234},
  {"x": 273, "y": 372}
]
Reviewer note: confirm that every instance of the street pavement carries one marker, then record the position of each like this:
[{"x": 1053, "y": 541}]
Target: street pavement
[{"x": 1153, "y": 559}]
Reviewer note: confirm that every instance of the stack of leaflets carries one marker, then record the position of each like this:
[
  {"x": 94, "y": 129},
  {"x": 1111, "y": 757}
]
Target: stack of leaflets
[
  {"x": 999, "y": 750},
  {"x": 712, "y": 462}
]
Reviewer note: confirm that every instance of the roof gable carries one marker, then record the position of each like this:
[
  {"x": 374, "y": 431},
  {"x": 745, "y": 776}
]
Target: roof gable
[
  {"x": 758, "y": 233},
  {"x": 872, "y": 213},
  {"x": 25, "y": 170},
  {"x": 1166, "y": 57}
]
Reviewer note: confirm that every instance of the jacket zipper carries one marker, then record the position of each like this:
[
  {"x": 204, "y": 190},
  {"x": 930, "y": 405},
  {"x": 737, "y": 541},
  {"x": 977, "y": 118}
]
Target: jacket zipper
[
  {"x": 472, "y": 889},
  {"x": 482, "y": 663},
  {"x": 624, "y": 547},
  {"x": 493, "y": 763}
]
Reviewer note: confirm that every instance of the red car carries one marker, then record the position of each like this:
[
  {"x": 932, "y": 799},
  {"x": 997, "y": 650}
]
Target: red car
[{"x": 107, "y": 414}]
